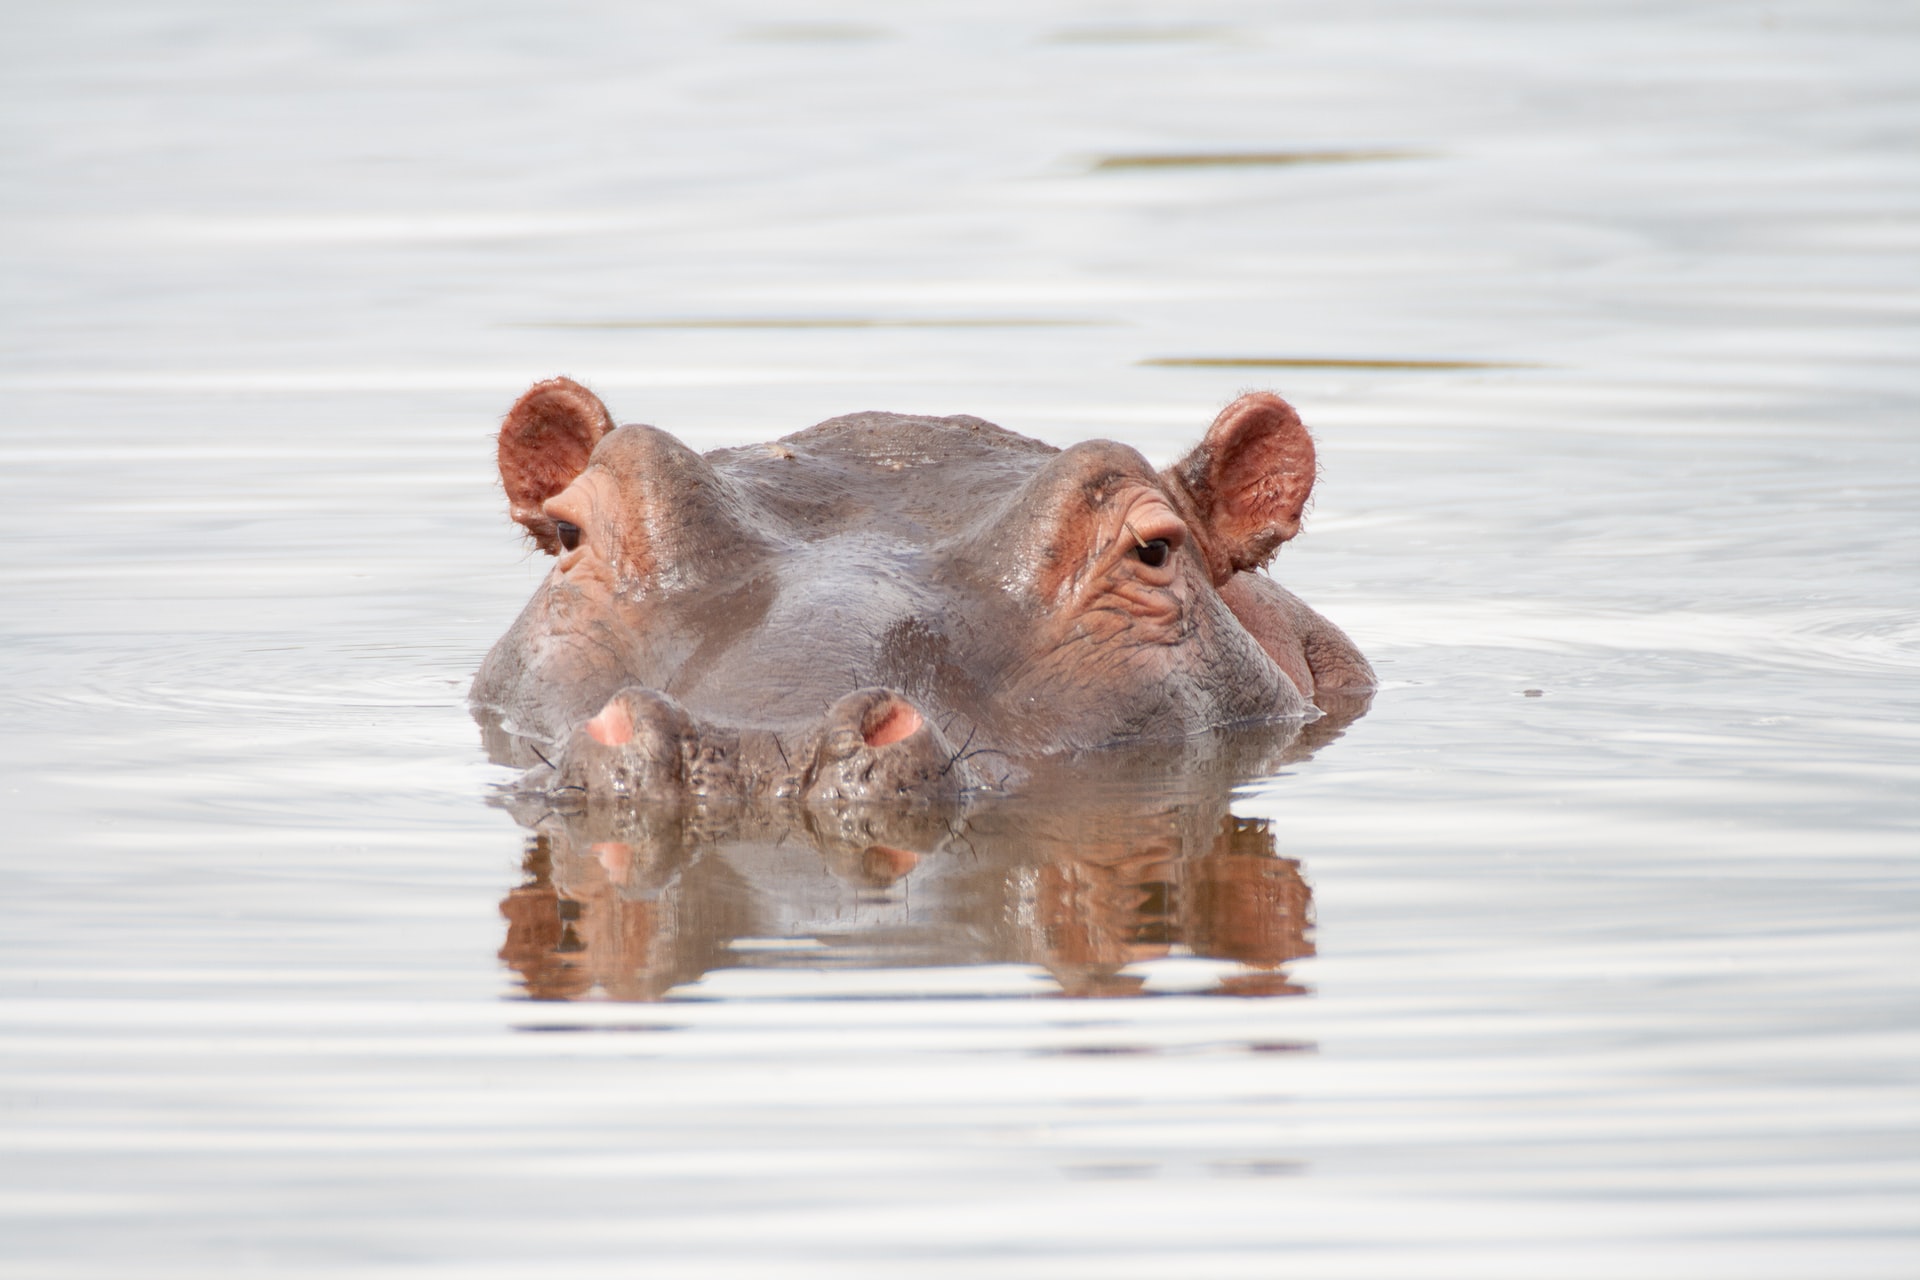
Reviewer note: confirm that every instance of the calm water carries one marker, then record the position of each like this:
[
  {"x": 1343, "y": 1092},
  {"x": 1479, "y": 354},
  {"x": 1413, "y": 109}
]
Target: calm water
[{"x": 1613, "y": 894}]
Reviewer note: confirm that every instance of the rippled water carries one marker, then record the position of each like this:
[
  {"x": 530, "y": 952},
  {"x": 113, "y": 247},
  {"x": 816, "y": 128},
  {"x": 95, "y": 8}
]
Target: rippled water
[{"x": 1588, "y": 951}]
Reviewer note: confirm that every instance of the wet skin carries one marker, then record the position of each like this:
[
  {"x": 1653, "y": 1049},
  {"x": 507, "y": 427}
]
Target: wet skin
[{"x": 897, "y": 609}]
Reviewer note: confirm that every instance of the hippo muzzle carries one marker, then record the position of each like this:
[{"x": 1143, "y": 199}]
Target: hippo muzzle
[{"x": 872, "y": 746}]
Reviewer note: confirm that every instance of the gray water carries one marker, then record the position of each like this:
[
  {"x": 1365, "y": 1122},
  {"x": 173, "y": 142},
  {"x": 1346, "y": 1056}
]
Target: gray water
[{"x": 1606, "y": 318}]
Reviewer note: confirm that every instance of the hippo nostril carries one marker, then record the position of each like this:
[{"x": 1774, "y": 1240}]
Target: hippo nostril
[
  {"x": 613, "y": 727},
  {"x": 890, "y": 722},
  {"x": 876, "y": 746}
]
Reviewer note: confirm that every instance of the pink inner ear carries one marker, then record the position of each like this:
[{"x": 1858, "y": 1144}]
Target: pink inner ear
[
  {"x": 545, "y": 442},
  {"x": 1258, "y": 474}
]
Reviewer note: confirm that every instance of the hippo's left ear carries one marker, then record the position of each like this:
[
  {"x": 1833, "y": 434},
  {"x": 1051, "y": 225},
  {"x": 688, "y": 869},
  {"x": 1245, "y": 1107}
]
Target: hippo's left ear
[
  {"x": 1247, "y": 483},
  {"x": 545, "y": 442}
]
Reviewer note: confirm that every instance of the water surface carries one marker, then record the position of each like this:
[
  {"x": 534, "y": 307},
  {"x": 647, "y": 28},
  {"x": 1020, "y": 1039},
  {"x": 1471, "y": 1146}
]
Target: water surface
[{"x": 1587, "y": 951}]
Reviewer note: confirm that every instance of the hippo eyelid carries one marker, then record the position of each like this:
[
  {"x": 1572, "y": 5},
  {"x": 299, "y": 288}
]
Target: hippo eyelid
[{"x": 1151, "y": 541}]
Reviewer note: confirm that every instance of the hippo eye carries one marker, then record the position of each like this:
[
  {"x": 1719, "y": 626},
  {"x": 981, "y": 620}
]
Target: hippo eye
[
  {"x": 1152, "y": 554},
  {"x": 569, "y": 533}
]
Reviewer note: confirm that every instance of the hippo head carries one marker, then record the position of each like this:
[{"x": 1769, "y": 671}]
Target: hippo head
[{"x": 888, "y": 607}]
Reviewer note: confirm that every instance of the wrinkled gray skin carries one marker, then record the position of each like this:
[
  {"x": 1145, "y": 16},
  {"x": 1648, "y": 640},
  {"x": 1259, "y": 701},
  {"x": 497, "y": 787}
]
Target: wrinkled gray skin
[{"x": 897, "y": 609}]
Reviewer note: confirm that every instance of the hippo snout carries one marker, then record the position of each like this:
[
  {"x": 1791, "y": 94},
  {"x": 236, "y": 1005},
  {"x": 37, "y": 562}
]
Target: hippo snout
[
  {"x": 872, "y": 745},
  {"x": 640, "y": 745},
  {"x": 877, "y": 746}
]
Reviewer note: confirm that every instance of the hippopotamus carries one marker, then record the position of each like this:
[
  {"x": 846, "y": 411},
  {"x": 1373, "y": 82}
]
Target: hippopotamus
[{"x": 894, "y": 608}]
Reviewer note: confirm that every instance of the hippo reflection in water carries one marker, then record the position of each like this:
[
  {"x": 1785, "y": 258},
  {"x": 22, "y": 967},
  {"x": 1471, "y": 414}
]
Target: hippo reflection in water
[
  {"x": 769, "y": 688},
  {"x": 1087, "y": 884}
]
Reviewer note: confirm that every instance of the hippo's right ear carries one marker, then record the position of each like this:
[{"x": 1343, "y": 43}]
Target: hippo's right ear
[{"x": 544, "y": 444}]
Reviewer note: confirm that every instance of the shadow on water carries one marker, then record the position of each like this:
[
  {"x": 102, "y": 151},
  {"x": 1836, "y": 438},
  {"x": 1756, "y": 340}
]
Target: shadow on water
[
  {"x": 827, "y": 322},
  {"x": 1254, "y": 159},
  {"x": 1098, "y": 866},
  {"x": 1328, "y": 363}
]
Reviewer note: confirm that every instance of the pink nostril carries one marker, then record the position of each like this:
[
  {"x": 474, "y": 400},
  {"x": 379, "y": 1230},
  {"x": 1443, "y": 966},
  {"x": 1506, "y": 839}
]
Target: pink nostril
[
  {"x": 897, "y": 723},
  {"x": 613, "y": 727}
]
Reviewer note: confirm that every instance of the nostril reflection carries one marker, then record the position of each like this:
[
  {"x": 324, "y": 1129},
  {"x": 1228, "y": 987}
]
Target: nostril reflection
[
  {"x": 882, "y": 864},
  {"x": 613, "y": 727},
  {"x": 896, "y": 722},
  {"x": 616, "y": 856}
]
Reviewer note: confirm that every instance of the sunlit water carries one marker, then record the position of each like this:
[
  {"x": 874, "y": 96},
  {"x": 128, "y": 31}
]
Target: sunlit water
[{"x": 1614, "y": 892}]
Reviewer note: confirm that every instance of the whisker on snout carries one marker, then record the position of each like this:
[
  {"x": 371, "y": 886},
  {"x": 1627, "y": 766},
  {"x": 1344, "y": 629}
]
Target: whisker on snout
[{"x": 959, "y": 755}]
